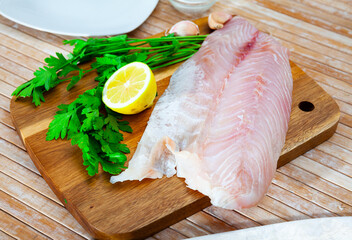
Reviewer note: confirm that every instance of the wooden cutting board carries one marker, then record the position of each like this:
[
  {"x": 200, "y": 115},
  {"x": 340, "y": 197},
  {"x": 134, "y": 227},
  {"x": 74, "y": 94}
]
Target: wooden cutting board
[{"x": 136, "y": 209}]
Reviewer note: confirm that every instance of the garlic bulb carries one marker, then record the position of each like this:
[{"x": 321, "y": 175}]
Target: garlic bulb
[
  {"x": 184, "y": 28},
  {"x": 216, "y": 20}
]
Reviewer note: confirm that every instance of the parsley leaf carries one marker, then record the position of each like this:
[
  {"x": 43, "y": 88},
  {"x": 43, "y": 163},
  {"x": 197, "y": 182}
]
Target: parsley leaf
[
  {"x": 58, "y": 128},
  {"x": 95, "y": 129}
]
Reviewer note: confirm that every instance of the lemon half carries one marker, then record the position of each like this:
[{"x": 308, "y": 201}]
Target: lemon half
[{"x": 131, "y": 89}]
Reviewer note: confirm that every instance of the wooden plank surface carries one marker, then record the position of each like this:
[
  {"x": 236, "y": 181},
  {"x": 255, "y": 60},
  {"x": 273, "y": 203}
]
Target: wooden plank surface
[{"x": 318, "y": 33}]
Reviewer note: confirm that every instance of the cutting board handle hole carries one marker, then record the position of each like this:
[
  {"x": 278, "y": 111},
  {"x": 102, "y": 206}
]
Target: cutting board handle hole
[{"x": 306, "y": 106}]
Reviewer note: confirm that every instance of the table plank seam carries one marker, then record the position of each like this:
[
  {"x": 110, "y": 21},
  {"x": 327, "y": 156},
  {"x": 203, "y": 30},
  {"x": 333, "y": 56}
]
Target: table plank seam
[
  {"x": 36, "y": 33},
  {"x": 8, "y": 236},
  {"x": 288, "y": 206},
  {"x": 52, "y": 197},
  {"x": 319, "y": 190},
  {"x": 24, "y": 48},
  {"x": 22, "y": 65},
  {"x": 37, "y": 210},
  {"x": 30, "y": 40},
  {"x": 20, "y": 58},
  {"x": 313, "y": 204},
  {"x": 261, "y": 11},
  {"x": 1, "y": 153},
  {"x": 253, "y": 218},
  {"x": 322, "y": 150},
  {"x": 245, "y": 11},
  {"x": 22, "y": 221},
  {"x": 307, "y": 14},
  {"x": 329, "y": 180},
  {"x": 329, "y": 158},
  {"x": 316, "y": 202}
]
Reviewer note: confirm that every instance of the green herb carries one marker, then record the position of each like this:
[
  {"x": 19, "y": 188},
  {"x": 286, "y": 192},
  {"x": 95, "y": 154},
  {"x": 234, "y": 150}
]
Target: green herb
[
  {"x": 111, "y": 53},
  {"x": 65, "y": 200},
  {"x": 87, "y": 122},
  {"x": 95, "y": 132}
]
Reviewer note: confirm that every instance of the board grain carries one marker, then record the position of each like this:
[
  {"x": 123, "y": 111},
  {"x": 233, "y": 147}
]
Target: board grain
[{"x": 136, "y": 209}]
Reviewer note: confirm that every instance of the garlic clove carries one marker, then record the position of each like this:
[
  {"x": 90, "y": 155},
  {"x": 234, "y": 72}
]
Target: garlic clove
[
  {"x": 184, "y": 28},
  {"x": 216, "y": 20}
]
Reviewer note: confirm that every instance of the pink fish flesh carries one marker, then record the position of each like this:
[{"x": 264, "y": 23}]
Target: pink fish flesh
[{"x": 223, "y": 119}]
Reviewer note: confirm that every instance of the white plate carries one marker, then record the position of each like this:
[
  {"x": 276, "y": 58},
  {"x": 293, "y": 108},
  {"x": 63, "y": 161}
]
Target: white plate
[
  {"x": 328, "y": 228},
  {"x": 79, "y": 17}
]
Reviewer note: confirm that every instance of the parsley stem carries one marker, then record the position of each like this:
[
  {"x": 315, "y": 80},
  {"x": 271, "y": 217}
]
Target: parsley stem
[
  {"x": 112, "y": 48},
  {"x": 172, "y": 62},
  {"x": 176, "y": 56},
  {"x": 125, "y": 49},
  {"x": 169, "y": 39}
]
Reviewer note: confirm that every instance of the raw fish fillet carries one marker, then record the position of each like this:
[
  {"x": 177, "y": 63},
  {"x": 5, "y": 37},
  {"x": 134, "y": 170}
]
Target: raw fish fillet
[{"x": 223, "y": 119}]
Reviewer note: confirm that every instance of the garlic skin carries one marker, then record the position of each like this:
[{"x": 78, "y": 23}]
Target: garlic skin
[
  {"x": 216, "y": 20},
  {"x": 184, "y": 28}
]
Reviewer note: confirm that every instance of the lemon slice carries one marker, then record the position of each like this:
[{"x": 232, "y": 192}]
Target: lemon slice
[{"x": 131, "y": 89}]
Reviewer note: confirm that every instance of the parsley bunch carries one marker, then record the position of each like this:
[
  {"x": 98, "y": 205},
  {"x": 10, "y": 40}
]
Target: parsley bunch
[
  {"x": 95, "y": 132},
  {"x": 156, "y": 52},
  {"x": 87, "y": 122}
]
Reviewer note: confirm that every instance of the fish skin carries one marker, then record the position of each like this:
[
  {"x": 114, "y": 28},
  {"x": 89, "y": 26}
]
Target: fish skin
[{"x": 223, "y": 119}]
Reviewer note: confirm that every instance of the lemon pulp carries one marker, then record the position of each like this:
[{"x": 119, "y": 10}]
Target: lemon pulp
[{"x": 131, "y": 89}]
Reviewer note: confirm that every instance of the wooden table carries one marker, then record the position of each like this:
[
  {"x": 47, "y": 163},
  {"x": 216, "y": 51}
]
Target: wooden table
[{"x": 317, "y": 184}]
